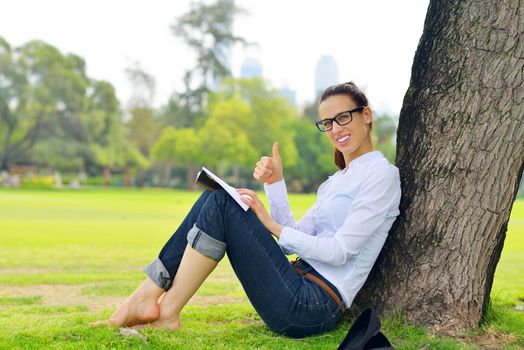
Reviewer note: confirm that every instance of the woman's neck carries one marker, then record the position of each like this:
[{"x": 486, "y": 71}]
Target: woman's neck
[{"x": 363, "y": 149}]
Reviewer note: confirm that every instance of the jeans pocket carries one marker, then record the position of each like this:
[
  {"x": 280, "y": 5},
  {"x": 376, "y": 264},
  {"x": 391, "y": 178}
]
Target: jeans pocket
[
  {"x": 312, "y": 296},
  {"x": 334, "y": 311}
]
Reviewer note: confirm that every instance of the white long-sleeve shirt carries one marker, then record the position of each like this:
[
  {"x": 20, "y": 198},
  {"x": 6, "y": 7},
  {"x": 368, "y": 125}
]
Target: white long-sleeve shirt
[{"x": 342, "y": 234}]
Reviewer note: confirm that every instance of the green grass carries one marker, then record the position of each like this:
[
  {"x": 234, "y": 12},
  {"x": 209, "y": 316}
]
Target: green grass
[
  {"x": 69, "y": 257},
  {"x": 35, "y": 299}
]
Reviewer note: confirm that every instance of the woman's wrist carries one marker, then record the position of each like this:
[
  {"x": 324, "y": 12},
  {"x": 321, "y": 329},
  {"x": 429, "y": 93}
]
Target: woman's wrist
[
  {"x": 275, "y": 229},
  {"x": 275, "y": 181}
]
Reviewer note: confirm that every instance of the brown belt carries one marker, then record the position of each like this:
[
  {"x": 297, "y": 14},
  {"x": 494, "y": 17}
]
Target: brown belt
[{"x": 323, "y": 285}]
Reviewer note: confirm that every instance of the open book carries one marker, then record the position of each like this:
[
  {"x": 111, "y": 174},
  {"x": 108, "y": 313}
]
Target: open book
[{"x": 207, "y": 179}]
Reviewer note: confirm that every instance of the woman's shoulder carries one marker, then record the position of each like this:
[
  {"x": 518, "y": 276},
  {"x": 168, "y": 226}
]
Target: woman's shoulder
[
  {"x": 381, "y": 167},
  {"x": 371, "y": 166},
  {"x": 371, "y": 160}
]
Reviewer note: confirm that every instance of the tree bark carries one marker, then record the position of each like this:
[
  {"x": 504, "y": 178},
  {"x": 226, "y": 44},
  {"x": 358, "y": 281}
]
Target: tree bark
[
  {"x": 460, "y": 152},
  {"x": 107, "y": 176},
  {"x": 191, "y": 176}
]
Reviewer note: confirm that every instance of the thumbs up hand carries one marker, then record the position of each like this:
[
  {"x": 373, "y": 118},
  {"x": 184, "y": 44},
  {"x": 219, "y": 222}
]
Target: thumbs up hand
[{"x": 269, "y": 169}]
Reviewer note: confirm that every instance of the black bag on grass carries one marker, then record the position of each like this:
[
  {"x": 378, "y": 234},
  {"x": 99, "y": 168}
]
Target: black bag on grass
[{"x": 365, "y": 334}]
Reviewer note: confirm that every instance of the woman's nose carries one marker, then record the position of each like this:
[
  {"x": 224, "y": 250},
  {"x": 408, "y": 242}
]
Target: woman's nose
[{"x": 336, "y": 127}]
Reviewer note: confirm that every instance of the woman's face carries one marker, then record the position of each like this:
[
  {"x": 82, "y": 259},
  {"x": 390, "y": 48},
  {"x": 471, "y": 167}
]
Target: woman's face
[{"x": 352, "y": 139}]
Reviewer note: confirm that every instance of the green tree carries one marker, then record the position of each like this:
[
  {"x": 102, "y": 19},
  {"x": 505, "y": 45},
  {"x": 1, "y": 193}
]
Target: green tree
[
  {"x": 110, "y": 147},
  {"x": 44, "y": 107},
  {"x": 179, "y": 147},
  {"x": 17, "y": 136},
  {"x": 52, "y": 114},
  {"x": 315, "y": 155},
  {"x": 310, "y": 111},
  {"x": 245, "y": 118},
  {"x": 271, "y": 112},
  {"x": 460, "y": 154},
  {"x": 143, "y": 86},
  {"x": 384, "y": 133},
  {"x": 172, "y": 114},
  {"x": 224, "y": 134},
  {"x": 207, "y": 30},
  {"x": 143, "y": 128}
]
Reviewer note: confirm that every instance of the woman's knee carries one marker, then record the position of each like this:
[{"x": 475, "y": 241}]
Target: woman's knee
[
  {"x": 220, "y": 196},
  {"x": 203, "y": 197},
  {"x": 211, "y": 212},
  {"x": 222, "y": 218},
  {"x": 223, "y": 203},
  {"x": 208, "y": 234},
  {"x": 206, "y": 243}
]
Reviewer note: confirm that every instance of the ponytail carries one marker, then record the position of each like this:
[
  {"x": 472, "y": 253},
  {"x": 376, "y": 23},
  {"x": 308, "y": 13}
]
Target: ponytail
[{"x": 340, "y": 162}]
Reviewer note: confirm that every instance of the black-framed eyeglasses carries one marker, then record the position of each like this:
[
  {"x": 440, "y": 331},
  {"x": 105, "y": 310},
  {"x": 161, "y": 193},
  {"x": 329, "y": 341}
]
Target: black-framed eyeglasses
[{"x": 341, "y": 118}]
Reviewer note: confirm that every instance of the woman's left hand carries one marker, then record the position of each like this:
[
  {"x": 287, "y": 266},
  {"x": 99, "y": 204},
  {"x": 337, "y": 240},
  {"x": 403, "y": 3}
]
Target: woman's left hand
[{"x": 251, "y": 199}]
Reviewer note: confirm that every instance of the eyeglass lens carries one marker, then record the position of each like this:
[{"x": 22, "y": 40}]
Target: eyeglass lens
[{"x": 341, "y": 119}]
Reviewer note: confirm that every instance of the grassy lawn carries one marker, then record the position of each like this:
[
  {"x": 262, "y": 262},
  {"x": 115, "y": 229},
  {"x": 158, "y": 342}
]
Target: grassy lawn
[{"x": 70, "y": 257}]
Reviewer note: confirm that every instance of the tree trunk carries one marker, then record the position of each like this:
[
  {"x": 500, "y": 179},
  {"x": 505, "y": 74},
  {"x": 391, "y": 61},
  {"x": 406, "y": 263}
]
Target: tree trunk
[
  {"x": 127, "y": 177},
  {"x": 166, "y": 175},
  {"x": 236, "y": 176},
  {"x": 107, "y": 176},
  {"x": 191, "y": 176},
  {"x": 460, "y": 152}
]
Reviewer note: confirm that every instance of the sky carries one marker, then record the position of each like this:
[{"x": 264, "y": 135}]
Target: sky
[{"x": 373, "y": 42}]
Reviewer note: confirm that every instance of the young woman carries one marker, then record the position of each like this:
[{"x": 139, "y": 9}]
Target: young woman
[{"x": 337, "y": 240}]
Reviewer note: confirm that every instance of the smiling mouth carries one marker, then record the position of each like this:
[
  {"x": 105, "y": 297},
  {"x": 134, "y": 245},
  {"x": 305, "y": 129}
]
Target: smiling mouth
[{"x": 343, "y": 139}]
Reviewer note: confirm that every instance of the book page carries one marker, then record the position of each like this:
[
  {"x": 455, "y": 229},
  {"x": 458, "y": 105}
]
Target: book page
[
  {"x": 229, "y": 189},
  {"x": 205, "y": 181}
]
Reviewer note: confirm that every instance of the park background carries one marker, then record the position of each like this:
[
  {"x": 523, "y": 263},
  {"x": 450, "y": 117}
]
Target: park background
[{"x": 97, "y": 172}]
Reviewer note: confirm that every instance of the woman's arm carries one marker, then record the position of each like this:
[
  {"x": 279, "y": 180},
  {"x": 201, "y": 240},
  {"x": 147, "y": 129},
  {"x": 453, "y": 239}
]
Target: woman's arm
[
  {"x": 379, "y": 194},
  {"x": 281, "y": 210},
  {"x": 250, "y": 198},
  {"x": 269, "y": 171}
]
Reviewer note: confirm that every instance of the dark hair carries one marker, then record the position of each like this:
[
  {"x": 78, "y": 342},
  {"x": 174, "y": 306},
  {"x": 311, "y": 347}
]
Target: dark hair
[{"x": 353, "y": 91}]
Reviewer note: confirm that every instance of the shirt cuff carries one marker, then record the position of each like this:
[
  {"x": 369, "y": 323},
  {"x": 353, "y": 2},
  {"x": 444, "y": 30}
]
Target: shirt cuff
[
  {"x": 276, "y": 192},
  {"x": 289, "y": 239}
]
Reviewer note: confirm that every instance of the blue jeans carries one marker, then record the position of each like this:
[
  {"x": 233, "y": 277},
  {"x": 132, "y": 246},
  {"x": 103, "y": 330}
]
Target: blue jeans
[{"x": 287, "y": 302}]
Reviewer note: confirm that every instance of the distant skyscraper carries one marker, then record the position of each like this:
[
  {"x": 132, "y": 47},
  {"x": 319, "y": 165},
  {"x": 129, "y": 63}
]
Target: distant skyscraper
[
  {"x": 326, "y": 74},
  {"x": 251, "y": 68}
]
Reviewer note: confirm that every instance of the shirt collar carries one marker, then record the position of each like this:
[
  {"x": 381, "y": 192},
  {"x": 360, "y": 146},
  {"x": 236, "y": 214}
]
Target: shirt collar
[{"x": 364, "y": 159}]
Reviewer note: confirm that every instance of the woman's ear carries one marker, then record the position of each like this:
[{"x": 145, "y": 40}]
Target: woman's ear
[{"x": 368, "y": 115}]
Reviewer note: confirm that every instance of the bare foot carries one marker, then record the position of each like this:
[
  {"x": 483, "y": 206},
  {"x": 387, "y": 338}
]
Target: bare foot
[
  {"x": 170, "y": 324},
  {"x": 133, "y": 311}
]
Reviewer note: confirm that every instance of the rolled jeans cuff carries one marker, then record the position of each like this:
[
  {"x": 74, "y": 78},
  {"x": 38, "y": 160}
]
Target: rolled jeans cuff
[
  {"x": 205, "y": 244},
  {"x": 158, "y": 273}
]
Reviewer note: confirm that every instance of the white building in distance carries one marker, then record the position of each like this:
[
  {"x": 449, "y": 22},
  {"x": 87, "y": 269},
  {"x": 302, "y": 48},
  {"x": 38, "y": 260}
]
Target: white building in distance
[
  {"x": 326, "y": 74},
  {"x": 251, "y": 67}
]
